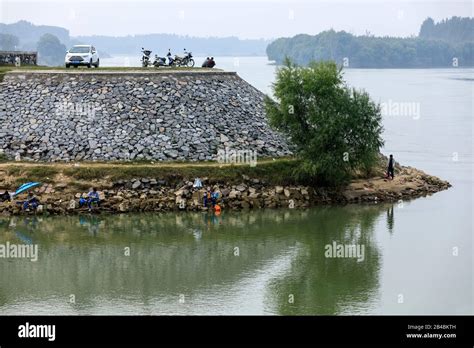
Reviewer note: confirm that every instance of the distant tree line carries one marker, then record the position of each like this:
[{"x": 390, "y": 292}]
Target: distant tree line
[
  {"x": 29, "y": 34},
  {"x": 446, "y": 44},
  {"x": 8, "y": 42},
  {"x": 455, "y": 29}
]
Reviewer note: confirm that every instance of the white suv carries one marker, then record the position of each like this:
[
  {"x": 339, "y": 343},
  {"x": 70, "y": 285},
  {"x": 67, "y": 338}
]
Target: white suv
[{"x": 82, "y": 55}]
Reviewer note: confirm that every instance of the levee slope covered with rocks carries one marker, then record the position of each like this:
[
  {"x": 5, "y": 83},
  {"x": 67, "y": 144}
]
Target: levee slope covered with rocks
[{"x": 174, "y": 115}]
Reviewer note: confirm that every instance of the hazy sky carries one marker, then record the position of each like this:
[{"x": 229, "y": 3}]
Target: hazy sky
[{"x": 243, "y": 18}]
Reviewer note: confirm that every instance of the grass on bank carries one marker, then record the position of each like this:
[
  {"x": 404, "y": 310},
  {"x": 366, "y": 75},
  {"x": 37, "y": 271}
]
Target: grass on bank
[
  {"x": 7, "y": 68},
  {"x": 275, "y": 172}
]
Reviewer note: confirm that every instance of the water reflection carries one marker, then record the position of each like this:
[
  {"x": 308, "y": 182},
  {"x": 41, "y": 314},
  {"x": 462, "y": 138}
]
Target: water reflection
[
  {"x": 91, "y": 222},
  {"x": 258, "y": 262},
  {"x": 390, "y": 218}
]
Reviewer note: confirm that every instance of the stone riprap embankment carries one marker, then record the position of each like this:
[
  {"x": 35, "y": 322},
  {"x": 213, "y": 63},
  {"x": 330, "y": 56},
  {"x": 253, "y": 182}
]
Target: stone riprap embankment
[{"x": 74, "y": 116}]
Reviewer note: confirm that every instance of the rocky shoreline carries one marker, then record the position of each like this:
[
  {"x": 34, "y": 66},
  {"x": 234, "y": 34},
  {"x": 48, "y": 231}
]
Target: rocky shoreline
[{"x": 158, "y": 195}]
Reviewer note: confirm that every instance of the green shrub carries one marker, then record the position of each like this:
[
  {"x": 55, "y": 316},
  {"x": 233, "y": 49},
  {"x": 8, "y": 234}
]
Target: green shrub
[{"x": 336, "y": 130}]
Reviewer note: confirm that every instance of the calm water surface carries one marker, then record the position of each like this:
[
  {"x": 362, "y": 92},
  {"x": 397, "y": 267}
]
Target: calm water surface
[{"x": 280, "y": 267}]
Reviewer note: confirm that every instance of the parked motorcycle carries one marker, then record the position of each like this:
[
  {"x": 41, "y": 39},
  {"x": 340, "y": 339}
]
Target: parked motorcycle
[
  {"x": 187, "y": 60},
  {"x": 172, "y": 61},
  {"x": 159, "y": 61},
  {"x": 145, "y": 57}
]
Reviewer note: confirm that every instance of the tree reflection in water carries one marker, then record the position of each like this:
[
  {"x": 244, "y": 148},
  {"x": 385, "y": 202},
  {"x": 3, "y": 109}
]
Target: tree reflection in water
[{"x": 280, "y": 257}]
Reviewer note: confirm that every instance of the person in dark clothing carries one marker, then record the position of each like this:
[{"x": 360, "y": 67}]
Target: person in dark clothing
[
  {"x": 5, "y": 197},
  {"x": 214, "y": 196},
  {"x": 390, "y": 169},
  {"x": 211, "y": 63},
  {"x": 204, "y": 65},
  {"x": 31, "y": 202}
]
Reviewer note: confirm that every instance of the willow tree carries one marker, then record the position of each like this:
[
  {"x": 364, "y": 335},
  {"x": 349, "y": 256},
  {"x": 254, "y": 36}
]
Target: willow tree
[{"x": 336, "y": 130}]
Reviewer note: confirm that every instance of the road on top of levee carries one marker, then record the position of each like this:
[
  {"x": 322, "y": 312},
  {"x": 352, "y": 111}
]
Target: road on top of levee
[{"x": 112, "y": 70}]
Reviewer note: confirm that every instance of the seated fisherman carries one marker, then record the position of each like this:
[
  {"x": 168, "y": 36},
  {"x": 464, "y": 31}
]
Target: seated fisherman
[
  {"x": 204, "y": 65},
  {"x": 5, "y": 197},
  {"x": 214, "y": 197},
  {"x": 211, "y": 63},
  {"x": 93, "y": 197},
  {"x": 31, "y": 202}
]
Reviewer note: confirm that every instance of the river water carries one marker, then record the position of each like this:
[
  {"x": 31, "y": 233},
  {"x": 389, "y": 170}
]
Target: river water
[{"x": 417, "y": 255}]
